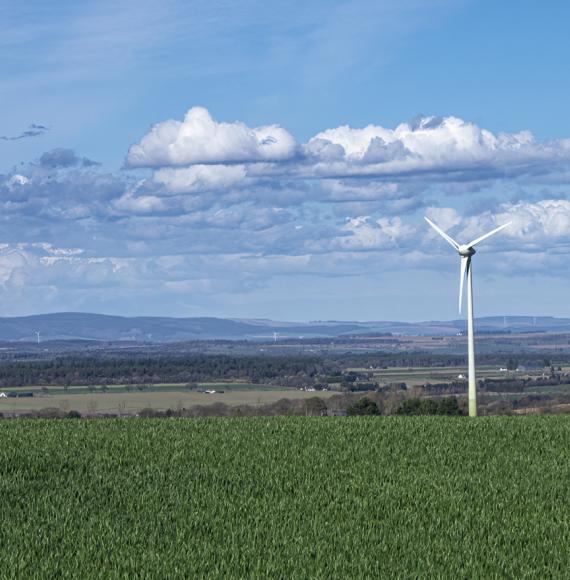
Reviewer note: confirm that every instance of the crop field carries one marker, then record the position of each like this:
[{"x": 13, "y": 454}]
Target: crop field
[{"x": 355, "y": 497}]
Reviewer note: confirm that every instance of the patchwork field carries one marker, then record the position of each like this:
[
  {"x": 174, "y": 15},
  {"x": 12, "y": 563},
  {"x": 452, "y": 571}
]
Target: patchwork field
[
  {"x": 414, "y": 376},
  {"x": 286, "y": 497}
]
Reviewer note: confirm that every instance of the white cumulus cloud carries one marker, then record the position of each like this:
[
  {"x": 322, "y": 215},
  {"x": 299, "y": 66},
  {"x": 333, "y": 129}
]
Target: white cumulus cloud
[
  {"x": 547, "y": 220},
  {"x": 201, "y": 139},
  {"x": 365, "y": 233},
  {"x": 431, "y": 145}
]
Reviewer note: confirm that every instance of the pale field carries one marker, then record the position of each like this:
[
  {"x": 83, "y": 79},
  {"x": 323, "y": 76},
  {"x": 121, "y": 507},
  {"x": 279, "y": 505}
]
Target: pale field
[{"x": 135, "y": 401}]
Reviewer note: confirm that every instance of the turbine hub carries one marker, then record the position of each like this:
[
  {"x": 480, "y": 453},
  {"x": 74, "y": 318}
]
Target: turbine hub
[{"x": 466, "y": 251}]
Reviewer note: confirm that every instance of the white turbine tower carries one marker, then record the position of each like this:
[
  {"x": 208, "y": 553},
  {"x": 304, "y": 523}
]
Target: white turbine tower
[
  {"x": 466, "y": 252},
  {"x": 37, "y": 333}
]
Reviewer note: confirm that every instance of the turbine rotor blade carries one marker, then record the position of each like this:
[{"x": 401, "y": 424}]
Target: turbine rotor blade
[
  {"x": 446, "y": 237},
  {"x": 464, "y": 264},
  {"x": 470, "y": 244}
]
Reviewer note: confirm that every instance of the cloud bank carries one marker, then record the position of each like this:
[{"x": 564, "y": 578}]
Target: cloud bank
[
  {"x": 210, "y": 209},
  {"x": 437, "y": 148}
]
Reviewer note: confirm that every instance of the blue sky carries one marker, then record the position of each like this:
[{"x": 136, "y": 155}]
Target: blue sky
[{"x": 296, "y": 147}]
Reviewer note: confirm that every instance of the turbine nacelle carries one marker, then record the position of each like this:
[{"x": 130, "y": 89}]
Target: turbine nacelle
[{"x": 466, "y": 251}]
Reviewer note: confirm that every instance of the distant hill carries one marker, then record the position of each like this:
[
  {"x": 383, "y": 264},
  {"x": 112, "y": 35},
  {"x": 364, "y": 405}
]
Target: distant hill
[{"x": 76, "y": 325}]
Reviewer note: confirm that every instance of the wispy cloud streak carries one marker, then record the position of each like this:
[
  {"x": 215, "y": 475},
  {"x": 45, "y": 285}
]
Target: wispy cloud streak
[{"x": 33, "y": 130}]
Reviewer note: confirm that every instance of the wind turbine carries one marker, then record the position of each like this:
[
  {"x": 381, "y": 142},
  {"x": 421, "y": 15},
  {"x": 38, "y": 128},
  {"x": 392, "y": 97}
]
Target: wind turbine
[
  {"x": 37, "y": 333},
  {"x": 466, "y": 252}
]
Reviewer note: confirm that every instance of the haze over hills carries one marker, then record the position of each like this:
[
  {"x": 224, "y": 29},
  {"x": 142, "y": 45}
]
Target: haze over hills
[{"x": 75, "y": 325}]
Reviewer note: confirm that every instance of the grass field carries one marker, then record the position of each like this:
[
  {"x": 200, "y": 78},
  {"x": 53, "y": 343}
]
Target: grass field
[
  {"x": 286, "y": 497},
  {"x": 115, "y": 401}
]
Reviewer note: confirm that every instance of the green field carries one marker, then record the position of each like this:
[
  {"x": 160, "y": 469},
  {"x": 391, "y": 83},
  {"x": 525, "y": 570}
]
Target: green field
[{"x": 286, "y": 498}]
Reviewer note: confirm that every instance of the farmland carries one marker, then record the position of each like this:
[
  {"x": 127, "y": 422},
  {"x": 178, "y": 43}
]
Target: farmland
[
  {"x": 542, "y": 391},
  {"x": 118, "y": 400},
  {"x": 57, "y": 378},
  {"x": 286, "y": 497}
]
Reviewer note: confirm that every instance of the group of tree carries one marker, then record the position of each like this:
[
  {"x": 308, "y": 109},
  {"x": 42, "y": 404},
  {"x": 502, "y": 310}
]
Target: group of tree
[
  {"x": 517, "y": 385},
  {"x": 363, "y": 406},
  {"x": 431, "y": 406}
]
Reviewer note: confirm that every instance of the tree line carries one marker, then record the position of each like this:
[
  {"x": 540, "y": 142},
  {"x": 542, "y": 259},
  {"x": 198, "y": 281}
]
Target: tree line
[{"x": 85, "y": 370}]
